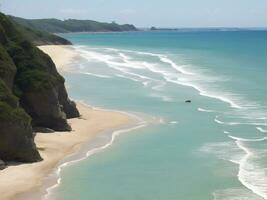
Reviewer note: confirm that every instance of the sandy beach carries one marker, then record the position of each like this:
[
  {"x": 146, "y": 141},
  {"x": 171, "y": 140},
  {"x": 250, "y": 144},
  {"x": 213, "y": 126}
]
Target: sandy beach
[
  {"x": 53, "y": 147},
  {"x": 60, "y": 54}
]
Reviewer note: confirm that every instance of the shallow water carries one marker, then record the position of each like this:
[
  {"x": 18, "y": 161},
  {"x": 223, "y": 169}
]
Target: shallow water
[{"x": 213, "y": 148}]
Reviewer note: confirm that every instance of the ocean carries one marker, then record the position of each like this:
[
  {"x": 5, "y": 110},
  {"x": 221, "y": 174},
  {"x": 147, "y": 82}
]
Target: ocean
[{"x": 214, "y": 148}]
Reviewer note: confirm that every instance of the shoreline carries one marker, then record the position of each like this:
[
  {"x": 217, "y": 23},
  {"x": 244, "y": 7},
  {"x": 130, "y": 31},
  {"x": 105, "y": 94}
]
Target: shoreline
[
  {"x": 100, "y": 32},
  {"x": 87, "y": 148},
  {"x": 56, "y": 148},
  {"x": 92, "y": 147},
  {"x": 61, "y": 55}
]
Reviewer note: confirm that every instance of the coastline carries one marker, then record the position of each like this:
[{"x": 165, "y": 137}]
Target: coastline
[
  {"x": 100, "y": 32},
  {"x": 61, "y": 55},
  {"x": 55, "y": 147}
]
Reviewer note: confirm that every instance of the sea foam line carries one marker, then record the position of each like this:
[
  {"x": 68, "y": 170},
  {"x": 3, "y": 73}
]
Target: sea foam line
[
  {"x": 119, "y": 65},
  {"x": 165, "y": 59},
  {"x": 167, "y": 76},
  {"x": 238, "y": 123},
  {"x": 205, "y": 110},
  {"x": 151, "y": 67},
  {"x": 205, "y": 93},
  {"x": 247, "y": 140},
  {"x": 234, "y": 194},
  {"x": 127, "y": 77},
  {"x": 115, "y": 134},
  {"x": 261, "y": 129},
  {"x": 250, "y": 176},
  {"x": 96, "y": 75},
  {"x": 140, "y": 124}
]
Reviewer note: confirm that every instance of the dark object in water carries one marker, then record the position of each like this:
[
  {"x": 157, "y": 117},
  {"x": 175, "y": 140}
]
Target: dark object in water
[{"x": 188, "y": 101}]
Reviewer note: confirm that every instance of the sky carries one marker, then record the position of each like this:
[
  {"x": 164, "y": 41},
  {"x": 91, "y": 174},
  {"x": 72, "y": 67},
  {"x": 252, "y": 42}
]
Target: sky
[{"x": 147, "y": 13}]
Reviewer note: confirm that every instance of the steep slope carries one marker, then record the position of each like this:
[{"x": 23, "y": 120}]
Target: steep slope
[
  {"x": 72, "y": 25},
  {"x": 40, "y": 37},
  {"x": 32, "y": 93}
]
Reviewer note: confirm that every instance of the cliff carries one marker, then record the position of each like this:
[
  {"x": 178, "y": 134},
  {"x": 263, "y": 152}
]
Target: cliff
[
  {"x": 32, "y": 94},
  {"x": 72, "y": 25}
]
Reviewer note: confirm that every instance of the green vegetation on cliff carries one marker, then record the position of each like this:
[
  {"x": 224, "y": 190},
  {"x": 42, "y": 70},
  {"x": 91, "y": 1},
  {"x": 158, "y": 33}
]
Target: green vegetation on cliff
[
  {"x": 16, "y": 137},
  {"x": 42, "y": 37},
  {"x": 6, "y": 95},
  {"x": 39, "y": 37},
  {"x": 32, "y": 93},
  {"x": 34, "y": 69},
  {"x": 72, "y": 25}
]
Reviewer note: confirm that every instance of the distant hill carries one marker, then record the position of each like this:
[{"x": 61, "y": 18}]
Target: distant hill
[
  {"x": 72, "y": 25},
  {"x": 38, "y": 37},
  {"x": 42, "y": 38}
]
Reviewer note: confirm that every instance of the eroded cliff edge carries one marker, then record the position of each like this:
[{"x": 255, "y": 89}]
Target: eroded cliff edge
[{"x": 32, "y": 94}]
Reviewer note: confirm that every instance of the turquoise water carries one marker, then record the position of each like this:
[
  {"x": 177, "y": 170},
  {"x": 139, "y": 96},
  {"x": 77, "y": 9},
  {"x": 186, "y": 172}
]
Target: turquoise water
[{"x": 214, "y": 148}]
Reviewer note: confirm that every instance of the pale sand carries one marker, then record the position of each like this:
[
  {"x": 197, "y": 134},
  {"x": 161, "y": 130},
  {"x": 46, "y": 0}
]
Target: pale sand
[
  {"x": 54, "y": 147},
  {"x": 62, "y": 55}
]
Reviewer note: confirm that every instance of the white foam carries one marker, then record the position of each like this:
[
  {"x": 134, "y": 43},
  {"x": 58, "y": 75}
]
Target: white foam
[
  {"x": 205, "y": 110},
  {"x": 224, "y": 150},
  {"x": 110, "y": 60},
  {"x": 159, "y": 86},
  {"x": 261, "y": 129},
  {"x": 140, "y": 76},
  {"x": 145, "y": 83},
  {"x": 152, "y": 67},
  {"x": 250, "y": 175},
  {"x": 124, "y": 56},
  {"x": 165, "y": 59},
  {"x": 247, "y": 140},
  {"x": 127, "y": 77},
  {"x": 218, "y": 121},
  {"x": 205, "y": 93},
  {"x": 121, "y": 66},
  {"x": 140, "y": 123},
  {"x": 161, "y": 120},
  {"x": 167, "y": 75},
  {"x": 180, "y": 69},
  {"x": 88, "y": 154},
  {"x": 235, "y": 194},
  {"x": 147, "y": 53},
  {"x": 238, "y": 123},
  {"x": 227, "y": 123},
  {"x": 163, "y": 97},
  {"x": 96, "y": 75}
]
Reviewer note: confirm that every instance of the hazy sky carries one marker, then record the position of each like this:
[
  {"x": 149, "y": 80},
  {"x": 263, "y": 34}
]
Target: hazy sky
[{"x": 146, "y": 13}]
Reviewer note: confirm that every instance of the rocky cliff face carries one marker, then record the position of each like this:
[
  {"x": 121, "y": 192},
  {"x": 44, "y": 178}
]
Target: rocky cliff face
[
  {"x": 32, "y": 94},
  {"x": 16, "y": 137},
  {"x": 17, "y": 142}
]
